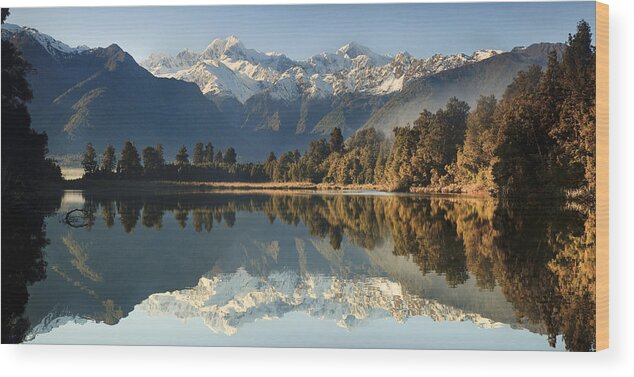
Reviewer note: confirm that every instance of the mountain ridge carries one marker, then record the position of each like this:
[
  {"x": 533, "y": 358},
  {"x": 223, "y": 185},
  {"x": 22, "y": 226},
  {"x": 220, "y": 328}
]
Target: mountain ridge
[
  {"x": 101, "y": 95},
  {"x": 232, "y": 95},
  {"x": 352, "y": 68}
]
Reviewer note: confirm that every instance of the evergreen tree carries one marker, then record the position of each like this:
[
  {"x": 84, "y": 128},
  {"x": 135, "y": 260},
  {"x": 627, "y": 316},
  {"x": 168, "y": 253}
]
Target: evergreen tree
[
  {"x": 108, "y": 159},
  {"x": 366, "y": 145},
  {"x": 198, "y": 157},
  {"x": 474, "y": 159},
  {"x": 575, "y": 133},
  {"x": 218, "y": 159},
  {"x": 429, "y": 152},
  {"x": 270, "y": 165},
  {"x": 209, "y": 154},
  {"x": 336, "y": 140},
  {"x": 271, "y": 157},
  {"x": 398, "y": 175},
  {"x": 159, "y": 154},
  {"x": 296, "y": 156},
  {"x": 89, "y": 162},
  {"x": 152, "y": 162},
  {"x": 381, "y": 161},
  {"x": 284, "y": 166},
  {"x": 439, "y": 136},
  {"x": 129, "y": 163},
  {"x": 182, "y": 158},
  {"x": 520, "y": 161},
  {"x": 315, "y": 160},
  {"x": 24, "y": 163},
  {"x": 230, "y": 156},
  {"x": 454, "y": 120}
]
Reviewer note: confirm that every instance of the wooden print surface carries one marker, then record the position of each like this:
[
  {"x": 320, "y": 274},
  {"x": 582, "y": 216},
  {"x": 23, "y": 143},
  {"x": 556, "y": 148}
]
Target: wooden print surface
[
  {"x": 603, "y": 147},
  {"x": 412, "y": 176}
]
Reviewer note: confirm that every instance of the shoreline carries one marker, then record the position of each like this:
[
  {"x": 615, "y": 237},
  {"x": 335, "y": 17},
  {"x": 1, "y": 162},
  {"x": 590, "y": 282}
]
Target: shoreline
[
  {"x": 151, "y": 187},
  {"x": 147, "y": 186}
]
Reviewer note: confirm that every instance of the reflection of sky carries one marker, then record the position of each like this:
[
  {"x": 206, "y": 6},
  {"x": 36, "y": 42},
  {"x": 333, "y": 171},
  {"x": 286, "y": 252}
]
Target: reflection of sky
[{"x": 299, "y": 330}]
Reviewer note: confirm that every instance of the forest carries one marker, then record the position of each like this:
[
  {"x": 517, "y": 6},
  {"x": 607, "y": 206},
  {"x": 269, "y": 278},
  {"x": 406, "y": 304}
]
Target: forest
[{"x": 539, "y": 138}]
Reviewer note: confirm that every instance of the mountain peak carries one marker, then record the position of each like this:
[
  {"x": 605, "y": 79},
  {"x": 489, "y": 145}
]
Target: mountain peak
[
  {"x": 354, "y": 49},
  {"x": 232, "y": 39},
  {"x": 225, "y": 47},
  {"x": 114, "y": 48}
]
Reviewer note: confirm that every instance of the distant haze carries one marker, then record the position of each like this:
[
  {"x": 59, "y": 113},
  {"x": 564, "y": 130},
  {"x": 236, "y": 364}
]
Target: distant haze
[{"x": 302, "y": 31}]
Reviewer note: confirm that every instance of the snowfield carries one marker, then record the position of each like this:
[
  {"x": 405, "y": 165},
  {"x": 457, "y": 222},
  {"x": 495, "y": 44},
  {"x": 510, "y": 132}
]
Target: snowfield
[{"x": 226, "y": 67}]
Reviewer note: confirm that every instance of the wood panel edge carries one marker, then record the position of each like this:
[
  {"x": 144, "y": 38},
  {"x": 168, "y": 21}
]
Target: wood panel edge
[{"x": 602, "y": 177}]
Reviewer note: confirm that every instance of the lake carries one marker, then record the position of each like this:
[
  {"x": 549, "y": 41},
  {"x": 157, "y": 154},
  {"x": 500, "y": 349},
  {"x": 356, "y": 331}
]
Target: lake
[{"x": 281, "y": 269}]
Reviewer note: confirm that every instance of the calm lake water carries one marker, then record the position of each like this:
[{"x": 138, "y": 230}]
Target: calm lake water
[{"x": 307, "y": 270}]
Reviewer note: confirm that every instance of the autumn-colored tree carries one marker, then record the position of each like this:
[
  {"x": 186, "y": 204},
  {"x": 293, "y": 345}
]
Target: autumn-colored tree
[
  {"x": 475, "y": 158},
  {"x": 521, "y": 159},
  {"x": 575, "y": 134}
]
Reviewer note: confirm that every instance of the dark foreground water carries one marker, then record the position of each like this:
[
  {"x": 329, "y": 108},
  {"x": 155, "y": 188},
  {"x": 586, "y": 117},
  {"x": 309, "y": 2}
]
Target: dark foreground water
[{"x": 308, "y": 270}]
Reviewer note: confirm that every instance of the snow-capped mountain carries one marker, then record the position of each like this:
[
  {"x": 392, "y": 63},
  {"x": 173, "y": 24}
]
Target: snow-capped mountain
[
  {"x": 227, "y": 68},
  {"x": 227, "y": 302},
  {"x": 50, "y": 44}
]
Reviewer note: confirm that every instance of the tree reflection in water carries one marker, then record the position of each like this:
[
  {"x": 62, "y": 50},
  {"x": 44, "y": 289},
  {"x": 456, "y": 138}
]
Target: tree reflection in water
[
  {"x": 23, "y": 243},
  {"x": 540, "y": 254}
]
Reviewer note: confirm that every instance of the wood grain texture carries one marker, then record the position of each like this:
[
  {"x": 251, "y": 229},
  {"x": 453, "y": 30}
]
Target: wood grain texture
[{"x": 602, "y": 208}]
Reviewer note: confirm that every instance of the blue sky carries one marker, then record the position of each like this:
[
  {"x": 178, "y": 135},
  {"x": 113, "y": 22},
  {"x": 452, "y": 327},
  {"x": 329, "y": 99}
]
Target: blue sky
[{"x": 302, "y": 31}]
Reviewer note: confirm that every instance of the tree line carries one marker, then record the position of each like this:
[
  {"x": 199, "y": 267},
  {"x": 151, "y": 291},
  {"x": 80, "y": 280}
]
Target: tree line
[
  {"x": 204, "y": 164},
  {"x": 539, "y": 137}
]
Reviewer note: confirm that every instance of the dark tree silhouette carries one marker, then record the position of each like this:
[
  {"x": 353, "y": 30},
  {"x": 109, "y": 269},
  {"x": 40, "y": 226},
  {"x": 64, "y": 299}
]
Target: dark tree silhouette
[
  {"x": 209, "y": 154},
  {"x": 108, "y": 159},
  {"x": 198, "y": 157},
  {"x": 152, "y": 161},
  {"x": 25, "y": 167},
  {"x": 129, "y": 163},
  {"x": 230, "y": 156},
  {"x": 89, "y": 162},
  {"x": 182, "y": 158}
]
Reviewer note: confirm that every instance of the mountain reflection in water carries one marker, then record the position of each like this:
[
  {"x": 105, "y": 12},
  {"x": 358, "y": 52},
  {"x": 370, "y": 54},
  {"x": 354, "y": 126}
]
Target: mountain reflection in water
[{"x": 232, "y": 259}]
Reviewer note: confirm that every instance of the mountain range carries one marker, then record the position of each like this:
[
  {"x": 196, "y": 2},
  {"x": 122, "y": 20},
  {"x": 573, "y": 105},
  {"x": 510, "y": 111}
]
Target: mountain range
[{"x": 233, "y": 95}]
